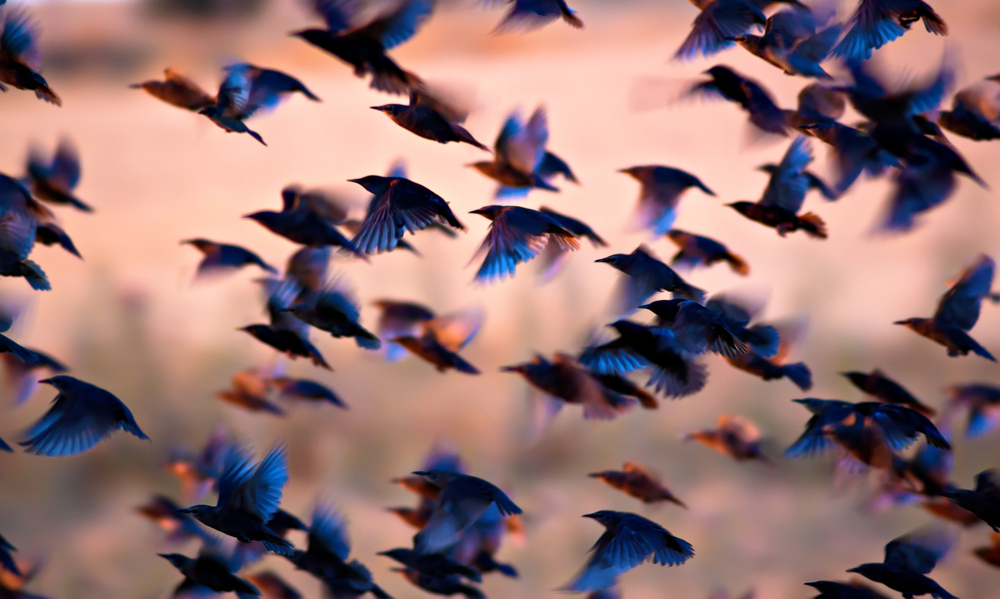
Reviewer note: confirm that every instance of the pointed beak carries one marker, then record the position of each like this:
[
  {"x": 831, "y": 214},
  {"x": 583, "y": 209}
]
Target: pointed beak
[
  {"x": 421, "y": 472},
  {"x": 47, "y": 382},
  {"x": 902, "y": 322},
  {"x": 185, "y": 510},
  {"x": 477, "y": 211},
  {"x": 605, "y": 260},
  {"x": 854, "y": 570},
  {"x": 378, "y": 108},
  {"x": 593, "y": 515},
  {"x": 594, "y": 475},
  {"x": 510, "y": 369}
]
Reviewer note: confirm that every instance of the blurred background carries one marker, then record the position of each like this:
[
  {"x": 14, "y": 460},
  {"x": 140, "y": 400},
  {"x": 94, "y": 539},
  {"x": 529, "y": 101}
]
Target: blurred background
[{"x": 130, "y": 319}]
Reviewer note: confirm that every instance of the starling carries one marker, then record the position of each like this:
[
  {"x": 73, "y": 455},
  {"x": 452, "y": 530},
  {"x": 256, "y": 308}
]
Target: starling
[
  {"x": 177, "y": 90},
  {"x": 660, "y": 194},
  {"x": 908, "y": 559},
  {"x": 306, "y": 391},
  {"x": 983, "y": 403},
  {"x": 432, "y": 564},
  {"x": 179, "y": 527},
  {"x": 517, "y": 235},
  {"x": 300, "y": 222},
  {"x": 22, "y": 216},
  {"x": 696, "y": 328},
  {"x": 19, "y": 55},
  {"x": 839, "y": 590},
  {"x": 735, "y": 437},
  {"x": 427, "y": 117},
  {"x": 436, "y": 340},
  {"x": 887, "y": 390},
  {"x": 974, "y": 113},
  {"x": 644, "y": 276},
  {"x": 532, "y": 14},
  {"x": 763, "y": 340},
  {"x": 213, "y": 571},
  {"x": 719, "y": 22},
  {"x": 792, "y": 43},
  {"x": 638, "y": 481},
  {"x": 696, "y": 250},
  {"x": 54, "y": 180},
  {"x": 250, "y": 392},
  {"x": 983, "y": 501},
  {"x": 726, "y": 84},
  {"x": 334, "y": 311},
  {"x": 222, "y": 257},
  {"x": 853, "y": 152},
  {"x": 875, "y": 23},
  {"x": 400, "y": 319}
]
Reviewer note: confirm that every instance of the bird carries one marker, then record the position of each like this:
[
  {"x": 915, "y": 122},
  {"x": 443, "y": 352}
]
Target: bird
[
  {"x": 839, "y": 590},
  {"x": 517, "y": 235},
  {"x": 958, "y": 311},
  {"x": 697, "y": 250},
  {"x": 179, "y": 527},
  {"x": 793, "y": 42},
  {"x": 719, "y": 22},
  {"x": 440, "y": 585},
  {"x": 6, "y": 559},
  {"x": 398, "y": 205},
  {"x": 974, "y": 113},
  {"x": 249, "y": 390},
  {"x": 983, "y": 501},
  {"x": 887, "y": 390},
  {"x": 213, "y": 570},
  {"x": 436, "y": 340},
  {"x": 364, "y": 46},
  {"x": 431, "y": 118},
  {"x": 533, "y": 14},
  {"x": 335, "y": 311},
  {"x": 432, "y": 564},
  {"x": 727, "y": 84},
  {"x": 20, "y": 57},
  {"x": 82, "y": 415},
  {"x": 22, "y": 215},
  {"x": 463, "y": 499},
  {"x": 696, "y": 329},
  {"x": 223, "y": 257},
  {"x": 54, "y": 180},
  {"x": 177, "y": 90},
  {"x": 660, "y": 194},
  {"x": 853, "y": 153},
  {"x": 300, "y": 222},
  {"x": 249, "y": 494},
  {"x": 770, "y": 347},
  {"x": 285, "y": 332},
  {"x": 627, "y": 542},
  {"x": 735, "y": 437},
  {"x": 783, "y": 197},
  {"x": 875, "y": 23},
  {"x": 399, "y": 319},
  {"x": 762, "y": 340},
  {"x": 983, "y": 404},
  {"x": 554, "y": 256},
  {"x": 272, "y": 586},
  {"x": 644, "y": 276},
  {"x": 908, "y": 559},
  {"x": 638, "y": 481},
  {"x": 305, "y": 390}
]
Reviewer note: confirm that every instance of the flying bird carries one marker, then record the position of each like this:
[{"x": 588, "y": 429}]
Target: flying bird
[
  {"x": 436, "y": 340},
  {"x": 735, "y": 437},
  {"x": 305, "y": 390},
  {"x": 533, "y": 14},
  {"x": 179, "y": 527},
  {"x": 335, "y": 311},
  {"x": 696, "y": 329},
  {"x": 213, "y": 571},
  {"x": 793, "y": 42},
  {"x": 763, "y": 340},
  {"x": 517, "y": 235},
  {"x": 719, "y": 22},
  {"x": 697, "y": 250},
  {"x": 223, "y": 257},
  {"x": 727, "y": 84},
  {"x": 660, "y": 194},
  {"x": 285, "y": 332},
  {"x": 177, "y": 90},
  {"x": 644, "y": 275},
  {"x": 875, "y": 23},
  {"x": 839, "y": 590},
  {"x": 431, "y": 118},
  {"x": 887, "y": 390},
  {"x": 983, "y": 501},
  {"x": 908, "y": 560},
  {"x": 22, "y": 216},
  {"x": 305, "y": 219},
  {"x": 432, "y": 564},
  {"x": 249, "y": 390},
  {"x": 638, "y": 481},
  {"x": 20, "y": 57},
  {"x": 54, "y": 180}
]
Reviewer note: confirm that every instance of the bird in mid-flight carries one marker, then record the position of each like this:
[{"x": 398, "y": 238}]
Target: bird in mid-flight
[
  {"x": 532, "y": 14},
  {"x": 20, "y": 57}
]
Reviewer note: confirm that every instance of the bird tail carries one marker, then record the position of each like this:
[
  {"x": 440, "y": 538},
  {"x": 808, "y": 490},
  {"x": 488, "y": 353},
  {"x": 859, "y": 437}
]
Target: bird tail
[
  {"x": 79, "y": 205},
  {"x": 366, "y": 339},
  {"x": 932, "y": 21},
  {"x": 764, "y": 339},
  {"x": 463, "y": 134},
  {"x": 34, "y": 275},
  {"x": 979, "y": 350},
  {"x": 44, "y": 92},
  {"x": 256, "y": 136},
  {"x": 737, "y": 263},
  {"x": 799, "y": 374},
  {"x": 570, "y": 17},
  {"x": 278, "y": 545},
  {"x": 463, "y": 366},
  {"x": 812, "y": 225}
]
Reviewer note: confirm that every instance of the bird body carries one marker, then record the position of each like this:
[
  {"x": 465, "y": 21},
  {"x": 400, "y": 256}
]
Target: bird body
[
  {"x": 532, "y": 14},
  {"x": 397, "y": 206},
  {"x": 636, "y": 480},
  {"x": 423, "y": 118},
  {"x": 516, "y": 235},
  {"x": 696, "y": 250},
  {"x": 644, "y": 276},
  {"x": 908, "y": 559},
  {"x": 719, "y": 22},
  {"x": 660, "y": 194},
  {"x": 54, "y": 180},
  {"x": 177, "y": 90},
  {"x": 223, "y": 256},
  {"x": 878, "y": 22},
  {"x": 19, "y": 55}
]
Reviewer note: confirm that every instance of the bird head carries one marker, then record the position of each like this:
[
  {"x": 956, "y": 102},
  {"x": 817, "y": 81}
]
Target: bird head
[
  {"x": 59, "y": 382},
  {"x": 636, "y": 172},
  {"x": 176, "y": 559},
  {"x": 616, "y": 260},
  {"x": 605, "y": 517},
  {"x": 197, "y": 511},
  {"x": 742, "y": 207},
  {"x": 518, "y": 368},
  {"x": 911, "y": 323},
  {"x": 624, "y": 327},
  {"x": 396, "y": 554},
  {"x": 768, "y": 168},
  {"x": 490, "y": 212},
  {"x": 437, "y": 478},
  {"x": 390, "y": 109},
  {"x": 678, "y": 236},
  {"x": 264, "y": 217},
  {"x": 310, "y": 35},
  {"x": 373, "y": 183},
  {"x": 485, "y": 167},
  {"x": 866, "y": 570}
]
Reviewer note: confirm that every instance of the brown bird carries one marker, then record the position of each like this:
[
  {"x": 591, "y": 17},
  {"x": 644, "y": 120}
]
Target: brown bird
[
  {"x": 249, "y": 390},
  {"x": 177, "y": 90},
  {"x": 735, "y": 437},
  {"x": 439, "y": 339},
  {"x": 19, "y": 55},
  {"x": 272, "y": 586},
  {"x": 990, "y": 554},
  {"x": 636, "y": 480},
  {"x": 417, "y": 517},
  {"x": 696, "y": 250}
]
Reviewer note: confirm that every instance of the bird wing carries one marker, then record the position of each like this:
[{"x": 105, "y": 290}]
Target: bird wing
[
  {"x": 508, "y": 244},
  {"x": 267, "y": 89},
  {"x": 812, "y": 442},
  {"x": 614, "y": 357},
  {"x": 528, "y": 14},
  {"x": 237, "y": 469},
  {"x": 65, "y": 169},
  {"x": 713, "y": 28},
  {"x": 901, "y": 425},
  {"x": 641, "y": 470},
  {"x": 524, "y": 146},
  {"x": 19, "y": 39},
  {"x": 260, "y": 496},
  {"x": 336, "y": 297},
  {"x": 787, "y": 187},
  {"x": 338, "y": 14},
  {"x": 328, "y": 531},
  {"x": 70, "y": 427},
  {"x": 960, "y": 305},
  {"x": 872, "y": 27},
  {"x": 919, "y": 551},
  {"x": 399, "y": 25},
  {"x": 234, "y": 92},
  {"x": 624, "y": 548}
]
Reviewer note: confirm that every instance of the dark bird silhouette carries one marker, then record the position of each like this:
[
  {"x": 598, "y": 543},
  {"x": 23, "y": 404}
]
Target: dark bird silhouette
[
  {"x": 719, "y": 22},
  {"x": 305, "y": 390},
  {"x": 726, "y": 84},
  {"x": 853, "y": 152},
  {"x": 249, "y": 390},
  {"x": 162, "y": 511},
  {"x": 285, "y": 333},
  {"x": 983, "y": 501},
  {"x": 644, "y": 276},
  {"x": 735, "y": 437},
  {"x": 887, "y": 390},
  {"x": 554, "y": 256},
  {"x": 774, "y": 368},
  {"x": 817, "y": 103},
  {"x": 20, "y": 57},
  {"x": 401, "y": 319},
  {"x": 177, "y": 90},
  {"x": 301, "y": 222},
  {"x": 696, "y": 250},
  {"x": 990, "y": 553},
  {"x": 839, "y": 590},
  {"x": 974, "y": 114},
  {"x": 197, "y": 472},
  {"x": 517, "y": 235},
  {"x": 875, "y": 23},
  {"x": 660, "y": 194},
  {"x": 432, "y": 564},
  {"x": 6, "y": 559},
  {"x": 214, "y": 570},
  {"x": 440, "y": 585},
  {"x": 249, "y": 494},
  {"x": 22, "y": 216},
  {"x": 399, "y": 205},
  {"x": 793, "y": 42},
  {"x": 28, "y": 358},
  {"x": 364, "y": 46},
  {"x": 958, "y": 311},
  {"x": 54, "y": 180},
  {"x": 272, "y": 586},
  {"x": 335, "y": 311},
  {"x": 430, "y": 118},
  {"x": 223, "y": 257},
  {"x": 763, "y": 340},
  {"x": 436, "y": 340},
  {"x": 627, "y": 542},
  {"x": 638, "y": 481},
  {"x": 983, "y": 403},
  {"x": 696, "y": 328},
  {"x": 82, "y": 415},
  {"x": 908, "y": 559},
  {"x": 462, "y": 501},
  {"x": 533, "y": 14},
  {"x": 783, "y": 197}
]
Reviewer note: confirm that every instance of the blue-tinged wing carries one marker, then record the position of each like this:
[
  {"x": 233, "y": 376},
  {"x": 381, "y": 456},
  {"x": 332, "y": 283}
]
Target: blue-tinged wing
[
  {"x": 811, "y": 443},
  {"x": 19, "y": 38},
  {"x": 237, "y": 468},
  {"x": 328, "y": 531},
  {"x": 715, "y": 27},
  {"x": 919, "y": 551},
  {"x": 234, "y": 93},
  {"x": 506, "y": 246},
  {"x": 338, "y": 14},
  {"x": 403, "y": 24},
  {"x": 960, "y": 305},
  {"x": 72, "y": 426},
  {"x": 787, "y": 186},
  {"x": 261, "y": 495},
  {"x": 871, "y": 28}
]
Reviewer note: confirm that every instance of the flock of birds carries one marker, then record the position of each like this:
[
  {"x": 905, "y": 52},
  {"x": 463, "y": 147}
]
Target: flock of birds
[{"x": 461, "y": 520}]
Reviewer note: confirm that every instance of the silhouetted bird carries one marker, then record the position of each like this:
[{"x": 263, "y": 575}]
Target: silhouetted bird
[
  {"x": 638, "y": 481},
  {"x": 249, "y": 390},
  {"x": 532, "y": 14},
  {"x": 983, "y": 403},
  {"x": 839, "y": 590},
  {"x": 463, "y": 499},
  {"x": 285, "y": 333},
  {"x": 21, "y": 215},
  {"x": 696, "y": 328},
  {"x": 991, "y": 553},
  {"x": 272, "y": 586},
  {"x": 213, "y": 571},
  {"x": 875, "y": 23},
  {"x": 334, "y": 311},
  {"x": 403, "y": 319},
  {"x": 517, "y": 235},
  {"x": 222, "y": 257},
  {"x": 719, "y": 22},
  {"x": 364, "y": 46},
  {"x": 958, "y": 311},
  {"x": 725, "y": 83},
  {"x": 887, "y": 390},
  {"x": 974, "y": 114},
  {"x": 306, "y": 391},
  {"x": 853, "y": 152},
  {"x": 783, "y": 197},
  {"x": 660, "y": 194},
  {"x": 696, "y": 250},
  {"x": 432, "y": 564},
  {"x": 436, "y": 340},
  {"x": 429, "y": 118},
  {"x": 817, "y": 103},
  {"x": 735, "y": 437},
  {"x": 814, "y": 181},
  {"x": 770, "y": 369},
  {"x": 6, "y": 559},
  {"x": 20, "y": 57},
  {"x": 628, "y": 541},
  {"x": 644, "y": 276},
  {"x": 983, "y": 501},
  {"x": 177, "y": 90},
  {"x": 300, "y": 222},
  {"x": 82, "y": 415},
  {"x": 793, "y": 42},
  {"x": 249, "y": 494},
  {"x": 440, "y": 585},
  {"x": 28, "y": 358},
  {"x": 554, "y": 256},
  {"x": 907, "y": 561},
  {"x": 179, "y": 527},
  {"x": 54, "y": 180},
  {"x": 399, "y": 205},
  {"x": 763, "y": 340}
]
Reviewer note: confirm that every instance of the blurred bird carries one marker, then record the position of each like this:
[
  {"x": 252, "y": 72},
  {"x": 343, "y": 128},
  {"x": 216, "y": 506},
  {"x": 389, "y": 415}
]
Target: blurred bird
[
  {"x": 696, "y": 250},
  {"x": 520, "y": 161},
  {"x": 249, "y": 494},
  {"x": 223, "y": 257},
  {"x": 25, "y": 361},
  {"x": 726, "y": 84},
  {"x": 82, "y": 415},
  {"x": 638, "y": 481},
  {"x": 853, "y": 152},
  {"x": 660, "y": 194},
  {"x": 179, "y": 527},
  {"x": 482, "y": 540},
  {"x": 814, "y": 181},
  {"x": 735, "y": 437},
  {"x": 213, "y": 571},
  {"x": 644, "y": 276},
  {"x": 20, "y": 57},
  {"x": 839, "y": 590},
  {"x": 6, "y": 559},
  {"x": 306, "y": 391},
  {"x": 432, "y": 564},
  {"x": 974, "y": 114},
  {"x": 22, "y": 215},
  {"x": 907, "y": 561},
  {"x": 554, "y": 256},
  {"x": 364, "y": 46},
  {"x": 462, "y": 501},
  {"x": 334, "y": 311},
  {"x": 719, "y": 22},
  {"x": 440, "y": 585},
  {"x": 875, "y": 23},
  {"x": 627, "y": 542},
  {"x": 177, "y": 90},
  {"x": 696, "y": 328},
  {"x": 300, "y": 222},
  {"x": 400, "y": 319},
  {"x": 958, "y": 311},
  {"x": 54, "y": 180},
  {"x": 309, "y": 267},
  {"x": 532, "y": 14},
  {"x": 991, "y": 553},
  {"x": 983, "y": 501},
  {"x": 775, "y": 368},
  {"x": 272, "y": 586},
  {"x": 250, "y": 391},
  {"x": 763, "y": 340},
  {"x": 983, "y": 403},
  {"x": 431, "y": 118},
  {"x": 887, "y": 390},
  {"x": 285, "y": 333},
  {"x": 783, "y": 197},
  {"x": 399, "y": 205},
  {"x": 517, "y": 235},
  {"x": 439, "y": 339},
  {"x": 793, "y": 42}
]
